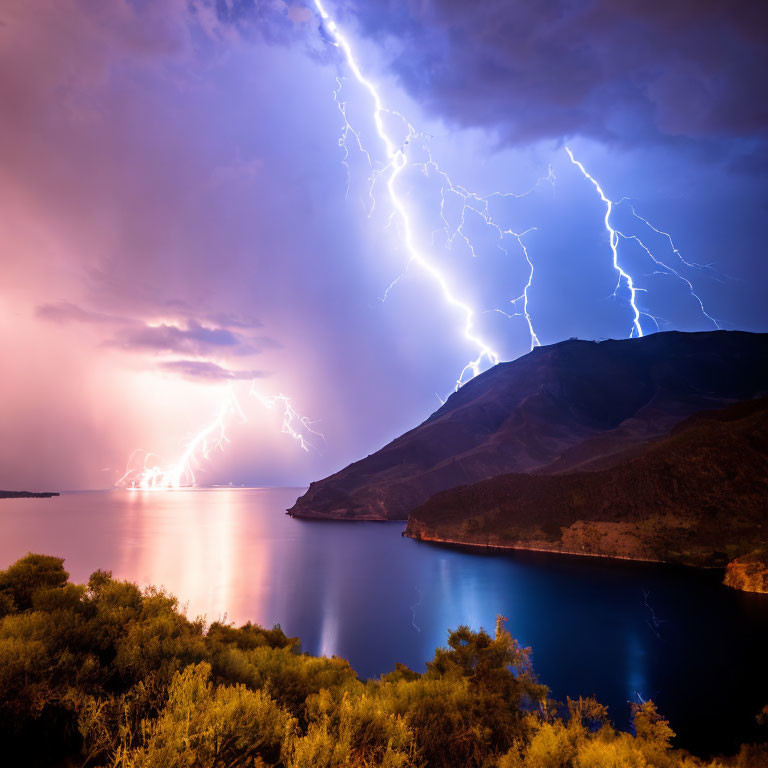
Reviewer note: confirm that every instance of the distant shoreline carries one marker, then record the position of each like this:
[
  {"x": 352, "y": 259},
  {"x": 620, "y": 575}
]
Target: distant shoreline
[{"x": 27, "y": 494}]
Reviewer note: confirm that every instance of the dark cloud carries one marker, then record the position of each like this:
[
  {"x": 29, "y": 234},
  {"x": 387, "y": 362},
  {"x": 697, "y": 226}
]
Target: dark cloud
[
  {"x": 618, "y": 70},
  {"x": 206, "y": 371},
  {"x": 275, "y": 20}
]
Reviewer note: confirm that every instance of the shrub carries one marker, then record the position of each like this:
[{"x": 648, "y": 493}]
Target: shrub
[{"x": 113, "y": 676}]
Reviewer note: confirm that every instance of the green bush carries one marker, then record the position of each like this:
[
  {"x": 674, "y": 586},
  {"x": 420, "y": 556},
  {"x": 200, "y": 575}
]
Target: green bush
[{"x": 109, "y": 675}]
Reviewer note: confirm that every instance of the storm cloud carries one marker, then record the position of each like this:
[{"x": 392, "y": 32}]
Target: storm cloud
[{"x": 616, "y": 70}]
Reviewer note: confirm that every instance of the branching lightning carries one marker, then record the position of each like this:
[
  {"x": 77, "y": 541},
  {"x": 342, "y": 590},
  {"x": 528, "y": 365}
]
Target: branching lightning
[
  {"x": 614, "y": 235},
  {"x": 397, "y": 159},
  {"x": 295, "y": 425},
  {"x": 403, "y": 153},
  {"x": 399, "y": 154},
  {"x": 708, "y": 267},
  {"x": 146, "y": 471},
  {"x": 347, "y": 131},
  {"x": 523, "y": 297},
  {"x": 148, "y": 474},
  {"x": 413, "y": 610},
  {"x": 613, "y": 238},
  {"x": 479, "y": 205}
]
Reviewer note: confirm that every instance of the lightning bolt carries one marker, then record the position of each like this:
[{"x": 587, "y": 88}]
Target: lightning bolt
[
  {"x": 524, "y": 295},
  {"x": 295, "y": 425},
  {"x": 145, "y": 470},
  {"x": 347, "y": 131},
  {"x": 398, "y": 157},
  {"x": 675, "y": 251},
  {"x": 397, "y": 161},
  {"x": 614, "y": 235},
  {"x": 613, "y": 238},
  {"x": 151, "y": 475},
  {"x": 473, "y": 203}
]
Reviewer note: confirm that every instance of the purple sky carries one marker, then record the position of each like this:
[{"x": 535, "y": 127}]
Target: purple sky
[{"x": 177, "y": 216}]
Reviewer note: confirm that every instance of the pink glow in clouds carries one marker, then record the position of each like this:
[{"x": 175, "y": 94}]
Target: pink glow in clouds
[{"x": 120, "y": 321}]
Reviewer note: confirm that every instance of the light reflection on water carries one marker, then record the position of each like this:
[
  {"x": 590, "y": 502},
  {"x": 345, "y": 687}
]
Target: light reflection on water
[{"x": 361, "y": 591}]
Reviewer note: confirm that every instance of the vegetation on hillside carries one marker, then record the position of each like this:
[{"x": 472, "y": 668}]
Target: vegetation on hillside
[
  {"x": 696, "y": 497},
  {"x": 107, "y": 674}
]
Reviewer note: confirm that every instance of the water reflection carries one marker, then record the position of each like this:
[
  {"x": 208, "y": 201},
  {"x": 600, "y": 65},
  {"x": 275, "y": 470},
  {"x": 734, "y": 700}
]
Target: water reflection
[
  {"x": 637, "y": 683},
  {"x": 192, "y": 549},
  {"x": 361, "y": 591}
]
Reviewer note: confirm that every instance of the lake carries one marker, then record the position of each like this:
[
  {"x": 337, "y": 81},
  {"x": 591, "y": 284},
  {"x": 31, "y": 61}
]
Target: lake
[{"x": 617, "y": 630}]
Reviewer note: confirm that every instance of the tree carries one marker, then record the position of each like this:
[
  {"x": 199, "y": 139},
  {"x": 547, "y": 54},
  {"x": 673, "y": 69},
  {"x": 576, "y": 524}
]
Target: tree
[
  {"x": 26, "y": 576},
  {"x": 209, "y": 726}
]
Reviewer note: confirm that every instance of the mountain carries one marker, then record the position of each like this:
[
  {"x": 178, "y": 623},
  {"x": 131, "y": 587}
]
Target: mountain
[
  {"x": 698, "y": 497},
  {"x": 572, "y": 406}
]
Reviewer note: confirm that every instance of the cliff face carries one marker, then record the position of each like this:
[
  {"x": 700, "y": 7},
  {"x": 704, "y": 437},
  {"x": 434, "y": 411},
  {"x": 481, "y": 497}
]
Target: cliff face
[
  {"x": 749, "y": 573},
  {"x": 699, "y": 497},
  {"x": 571, "y": 406}
]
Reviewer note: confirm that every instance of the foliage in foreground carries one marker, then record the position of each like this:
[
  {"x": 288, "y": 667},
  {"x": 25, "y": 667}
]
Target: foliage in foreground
[{"x": 106, "y": 674}]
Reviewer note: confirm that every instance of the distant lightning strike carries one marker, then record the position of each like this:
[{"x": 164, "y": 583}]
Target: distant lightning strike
[
  {"x": 295, "y": 425},
  {"x": 614, "y": 235},
  {"x": 181, "y": 472},
  {"x": 151, "y": 474}
]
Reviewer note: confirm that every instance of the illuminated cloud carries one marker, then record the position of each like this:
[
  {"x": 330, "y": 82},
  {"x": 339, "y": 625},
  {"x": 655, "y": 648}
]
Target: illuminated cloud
[
  {"x": 186, "y": 336},
  {"x": 194, "y": 339},
  {"x": 202, "y": 370}
]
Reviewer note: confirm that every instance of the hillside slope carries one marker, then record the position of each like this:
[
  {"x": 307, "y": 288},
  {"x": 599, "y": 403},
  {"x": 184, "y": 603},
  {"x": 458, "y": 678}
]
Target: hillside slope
[
  {"x": 568, "y": 406},
  {"x": 698, "y": 497}
]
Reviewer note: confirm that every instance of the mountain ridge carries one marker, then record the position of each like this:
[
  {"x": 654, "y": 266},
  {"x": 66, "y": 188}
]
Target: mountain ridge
[
  {"x": 567, "y": 406},
  {"x": 696, "y": 497}
]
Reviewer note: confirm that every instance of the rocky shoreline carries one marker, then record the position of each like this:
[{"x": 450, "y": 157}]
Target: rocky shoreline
[
  {"x": 696, "y": 498},
  {"x": 494, "y": 544},
  {"x": 747, "y": 574}
]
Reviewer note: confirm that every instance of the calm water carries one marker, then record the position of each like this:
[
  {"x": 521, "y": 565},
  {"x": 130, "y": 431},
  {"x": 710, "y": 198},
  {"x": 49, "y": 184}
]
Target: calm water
[{"x": 361, "y": 591}]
